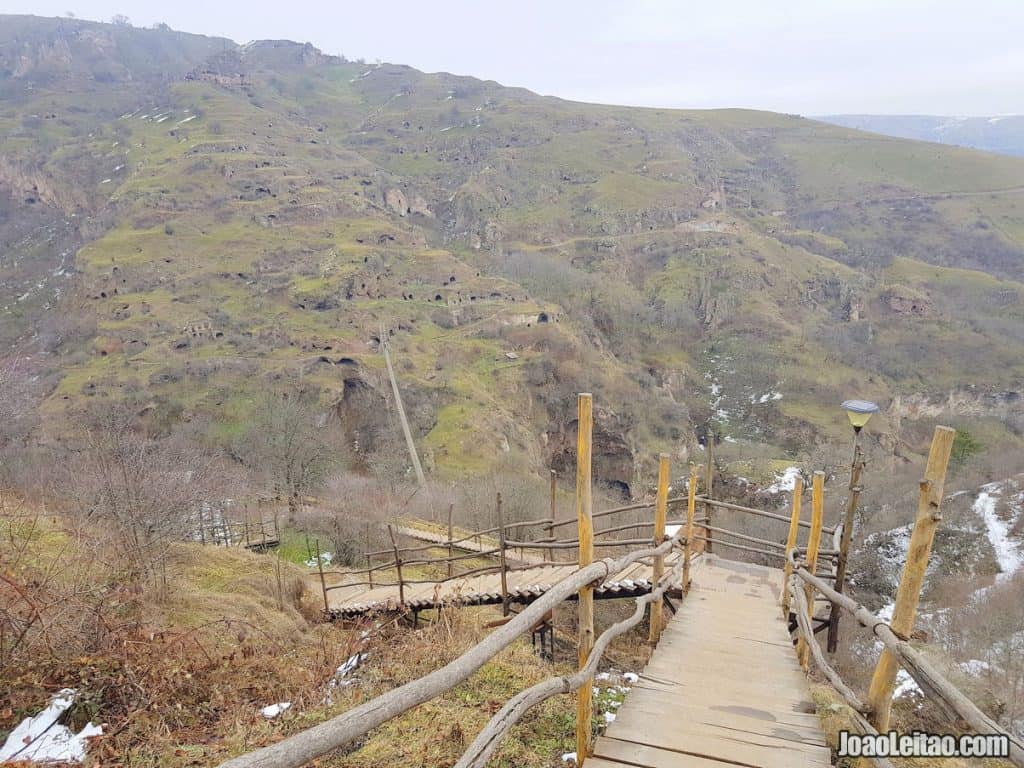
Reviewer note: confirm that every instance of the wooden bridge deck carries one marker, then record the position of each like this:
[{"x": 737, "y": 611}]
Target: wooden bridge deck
[
  {"x": 723, "y": 687},
  {"x": 524, "y": 586}
]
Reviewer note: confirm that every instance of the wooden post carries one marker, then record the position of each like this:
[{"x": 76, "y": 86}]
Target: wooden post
[
  {"x": 279, "y": 580},
  {"x": 909, "y": 592},
  {"x": 691, "y": 506},
  {"x": 501, "y": 557},
  {"x": 794, "y": 529},
  {"x": 549, "y": 554},
  {"x": 803, "y": 652},
  {"x": 660, "y": 514},
  {"x": 856, "y": 470},
  {"x": 245, "y": 526},
  {"x": 709, "y": 480},
  {"x": 451, "y": 548},
  {"x": 585, "y": 523},
  {"x": 202, "y": 526},
  {"x": 323, "y": 583},
  {"x": 398, "y": 566},
  {"x": 369, "y": 564}
]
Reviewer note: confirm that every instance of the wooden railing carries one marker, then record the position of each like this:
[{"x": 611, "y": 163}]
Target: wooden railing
[
  {"x": 872, "y": 715},
  {"x": 223, "y": 531},
  {"x": 805, "y": 573}
]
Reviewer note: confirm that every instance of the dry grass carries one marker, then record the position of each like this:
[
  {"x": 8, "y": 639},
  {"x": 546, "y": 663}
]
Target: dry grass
[
  {"x": 835, "y": 716},
  {"x": 178, "y": 675}
]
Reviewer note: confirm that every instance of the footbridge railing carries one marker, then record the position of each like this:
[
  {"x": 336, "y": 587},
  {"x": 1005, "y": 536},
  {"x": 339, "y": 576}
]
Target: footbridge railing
[
  {"x": 872, "y": 714},
  {"x": 807, "y": 571}
]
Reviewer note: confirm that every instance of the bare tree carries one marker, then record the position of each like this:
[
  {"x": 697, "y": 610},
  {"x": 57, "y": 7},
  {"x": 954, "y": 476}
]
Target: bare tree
[
  {"x": 289, "y": 441},
  {"x": 145, "y": 492},
  {"x": 18, "y": 395}
]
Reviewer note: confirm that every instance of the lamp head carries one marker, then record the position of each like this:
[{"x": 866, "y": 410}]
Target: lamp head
[{"x": 859, "y": 411}]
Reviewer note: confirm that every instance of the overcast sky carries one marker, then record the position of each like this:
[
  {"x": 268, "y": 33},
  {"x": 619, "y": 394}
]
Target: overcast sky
[{"x": 812, "y": 57}]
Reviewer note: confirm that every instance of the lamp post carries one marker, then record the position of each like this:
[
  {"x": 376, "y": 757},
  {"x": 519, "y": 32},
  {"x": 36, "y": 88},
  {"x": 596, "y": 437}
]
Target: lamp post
[{"x": 858, "y": 412}]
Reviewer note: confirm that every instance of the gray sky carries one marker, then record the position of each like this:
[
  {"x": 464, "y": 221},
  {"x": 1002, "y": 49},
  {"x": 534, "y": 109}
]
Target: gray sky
[{"x": 950, "y": 57}]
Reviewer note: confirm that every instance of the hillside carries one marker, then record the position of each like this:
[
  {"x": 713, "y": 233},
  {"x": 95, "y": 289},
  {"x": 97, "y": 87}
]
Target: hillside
[
  {"x": 187, "y": 223},
  {"x": 1003, "y": 133}
]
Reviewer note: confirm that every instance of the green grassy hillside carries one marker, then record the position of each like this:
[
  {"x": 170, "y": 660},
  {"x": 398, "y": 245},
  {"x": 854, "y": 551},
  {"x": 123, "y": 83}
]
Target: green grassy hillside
[{"x": 191, "y": 222}]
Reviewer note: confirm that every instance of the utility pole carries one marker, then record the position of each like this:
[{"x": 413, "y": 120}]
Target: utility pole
[{"x": 401, "y": 411}]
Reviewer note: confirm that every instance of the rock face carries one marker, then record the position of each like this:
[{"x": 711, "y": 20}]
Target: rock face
[
  {"x": 905, "y": 301},
  {"x": 613, "y": 460}
]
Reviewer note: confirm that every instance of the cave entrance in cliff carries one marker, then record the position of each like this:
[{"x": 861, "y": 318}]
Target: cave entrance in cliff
[{"x": 621, "y": 488}]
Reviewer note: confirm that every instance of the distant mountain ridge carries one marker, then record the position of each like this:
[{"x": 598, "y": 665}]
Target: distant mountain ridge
[{"x": 1000, "y": 133}]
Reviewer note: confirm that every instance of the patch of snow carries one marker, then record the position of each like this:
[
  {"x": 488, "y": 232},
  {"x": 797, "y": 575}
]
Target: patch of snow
[
  {"x": 631, "y": 677},
  {"x": 40, "y": 739},
  {"x": 672, "y": 530},
  {"x": 609, "y": 717},
  {"x": 975, "y": 666},
  {"x": 182, "y": 122},
  {"x": 905, "y": 684},
  {"x": 784, "y": 482},
  {"x": 569, "y": 757},
  {"x": 716, "y": 388},
  {"x": 350, "y": 665},
  {"x": 274, "y": 710},
  {"x": 118, "y": 168},
  {"x": 1008, "y": 553},
  {"x": 105, "y": 181},
  {"x": 325, "y": 557},
  {"x": 602, "y": 676},
  {"x": 729, "y": 439},
  {"x": 885, "y": 614}
]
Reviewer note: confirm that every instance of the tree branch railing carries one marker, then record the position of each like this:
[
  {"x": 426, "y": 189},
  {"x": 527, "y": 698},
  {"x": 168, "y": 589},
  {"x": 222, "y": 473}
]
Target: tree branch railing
[
  {"x": 303, "y": 747},
  {"x": 872, "y": 715},
  {"x": 954, "y": 704},
  {"x": 801, "y": 584}
]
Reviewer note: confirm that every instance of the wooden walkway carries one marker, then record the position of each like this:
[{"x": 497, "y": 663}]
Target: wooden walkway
[
  {"x": 723, "y": 688},
  {"x": 481, "y": 544},
  {"x": 524, "y": 586}
]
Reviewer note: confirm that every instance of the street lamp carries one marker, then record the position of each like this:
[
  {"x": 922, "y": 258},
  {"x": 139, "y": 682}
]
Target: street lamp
[{"x": 858, "y": 412}]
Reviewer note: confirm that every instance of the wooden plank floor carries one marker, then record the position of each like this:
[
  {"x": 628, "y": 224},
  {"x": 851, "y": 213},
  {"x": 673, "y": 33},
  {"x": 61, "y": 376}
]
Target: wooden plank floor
[
  {"x": 523, "y": 586},
  {"x": 723, "y": 688}
]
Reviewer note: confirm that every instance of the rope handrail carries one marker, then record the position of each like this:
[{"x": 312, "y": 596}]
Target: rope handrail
[{"x": 932, "y": 683}]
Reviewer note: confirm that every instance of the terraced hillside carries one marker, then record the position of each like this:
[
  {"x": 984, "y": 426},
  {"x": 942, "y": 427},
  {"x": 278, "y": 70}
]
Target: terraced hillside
[{"x": 190, "y": 222}]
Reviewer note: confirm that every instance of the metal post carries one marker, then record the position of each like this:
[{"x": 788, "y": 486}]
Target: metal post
[{"x": 856, "y": 471}]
